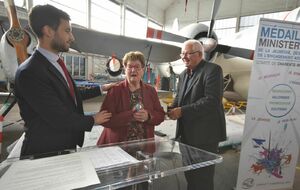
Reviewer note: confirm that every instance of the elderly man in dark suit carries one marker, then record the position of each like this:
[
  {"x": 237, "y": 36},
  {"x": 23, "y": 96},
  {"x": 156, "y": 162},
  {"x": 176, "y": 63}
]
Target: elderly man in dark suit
[
  {"x": 198, "y": 109},
  {"x": 49, "y": 101}
]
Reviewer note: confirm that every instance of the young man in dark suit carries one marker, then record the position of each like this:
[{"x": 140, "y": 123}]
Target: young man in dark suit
[
  {"x": 49, "y": 101},
  {"x": 198, "y": 109}
]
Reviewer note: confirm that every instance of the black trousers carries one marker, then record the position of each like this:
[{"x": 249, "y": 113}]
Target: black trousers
[{"x": 202, "y": 178}]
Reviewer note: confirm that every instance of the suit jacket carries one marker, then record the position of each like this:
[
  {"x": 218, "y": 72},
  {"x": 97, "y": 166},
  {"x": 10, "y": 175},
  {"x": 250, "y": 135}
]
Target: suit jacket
[
  {"x": 53, "y": 121},
  {"x": 117, "y": 101},
  {"x": 203, "y": 120}
]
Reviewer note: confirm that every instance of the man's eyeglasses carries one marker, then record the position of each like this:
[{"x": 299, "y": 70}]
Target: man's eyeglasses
[{"x": 182, "y": 55}]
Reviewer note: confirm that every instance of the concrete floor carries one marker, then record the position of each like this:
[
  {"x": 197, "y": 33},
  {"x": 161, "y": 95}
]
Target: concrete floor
[{"x": 225, "y": 175}]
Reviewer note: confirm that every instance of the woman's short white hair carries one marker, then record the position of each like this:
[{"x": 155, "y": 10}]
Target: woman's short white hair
[{"x": 197, "y": 46}]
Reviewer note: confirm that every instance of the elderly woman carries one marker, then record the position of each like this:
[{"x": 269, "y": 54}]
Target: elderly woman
[{"x": 134, "y": 105}]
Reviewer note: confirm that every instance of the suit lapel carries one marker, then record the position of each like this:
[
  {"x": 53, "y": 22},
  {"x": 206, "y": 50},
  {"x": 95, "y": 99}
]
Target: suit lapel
[
  {"x": 194, "y": 78},
  {"x": 54, "y": 71},
  {"x": 192, "y": 82},
  {"x": 180, "y": 95},
  {"x": 59, "y": 76}
]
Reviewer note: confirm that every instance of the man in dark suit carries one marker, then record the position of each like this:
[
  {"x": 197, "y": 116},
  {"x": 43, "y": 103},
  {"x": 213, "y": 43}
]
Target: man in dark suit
[
  {"x": 198, "y": 109},
  {"x": 49, "y": 101}
]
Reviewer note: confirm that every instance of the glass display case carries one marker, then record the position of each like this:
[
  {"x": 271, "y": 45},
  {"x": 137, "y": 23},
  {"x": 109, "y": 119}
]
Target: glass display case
[{"x": 123, "y": 164}]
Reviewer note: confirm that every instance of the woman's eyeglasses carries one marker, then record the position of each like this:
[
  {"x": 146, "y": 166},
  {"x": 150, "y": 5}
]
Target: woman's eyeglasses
[{"x": 136, "y": 67}]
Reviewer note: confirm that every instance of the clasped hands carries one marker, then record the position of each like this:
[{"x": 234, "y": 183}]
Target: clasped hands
[
  {"x": 104, "y": 116},
  {"x": 141, "y": 115},
  {"x": 174, "y": 113}
]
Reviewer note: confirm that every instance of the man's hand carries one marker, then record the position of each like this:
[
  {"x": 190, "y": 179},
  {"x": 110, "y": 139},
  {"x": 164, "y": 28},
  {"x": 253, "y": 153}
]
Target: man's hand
[
  {"x": 102, "y": 117},
  {"x": 106, "y": 87},
  {"x": 175, "y": 113}
]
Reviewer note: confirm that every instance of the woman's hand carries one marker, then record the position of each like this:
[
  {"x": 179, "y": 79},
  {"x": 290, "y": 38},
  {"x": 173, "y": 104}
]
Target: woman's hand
[{"x": 141, "y": 115}]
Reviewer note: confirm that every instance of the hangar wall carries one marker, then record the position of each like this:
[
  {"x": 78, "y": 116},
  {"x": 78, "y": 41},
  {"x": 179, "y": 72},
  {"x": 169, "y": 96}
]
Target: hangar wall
[{"x": 154, "y": 10}]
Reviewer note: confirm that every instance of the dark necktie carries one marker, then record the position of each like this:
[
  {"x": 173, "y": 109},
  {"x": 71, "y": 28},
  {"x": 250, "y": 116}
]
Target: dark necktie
[{"x": 64, "y": 68}]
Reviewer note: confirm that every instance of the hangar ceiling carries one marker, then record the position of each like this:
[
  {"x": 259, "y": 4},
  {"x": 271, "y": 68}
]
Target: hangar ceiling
[{"x": 165, "y": 11}]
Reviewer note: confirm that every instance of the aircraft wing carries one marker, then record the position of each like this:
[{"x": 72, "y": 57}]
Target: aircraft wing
[
  {"x": 91, "y": 41},
  {"x": 95, "y": 42}
]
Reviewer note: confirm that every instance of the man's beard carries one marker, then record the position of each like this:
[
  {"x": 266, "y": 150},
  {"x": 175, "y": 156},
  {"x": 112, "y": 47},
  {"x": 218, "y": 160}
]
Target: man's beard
[{"x": 57, "y": 45}]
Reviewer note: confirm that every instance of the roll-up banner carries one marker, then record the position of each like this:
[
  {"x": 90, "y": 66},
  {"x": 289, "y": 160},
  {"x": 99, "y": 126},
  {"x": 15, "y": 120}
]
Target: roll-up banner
[{"x": 271, "y": 138}]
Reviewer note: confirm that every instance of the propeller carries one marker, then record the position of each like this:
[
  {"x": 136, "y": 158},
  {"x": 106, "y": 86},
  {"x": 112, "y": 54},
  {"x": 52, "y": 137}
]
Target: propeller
[
  {"x": 204, "y": 34},
  {"x": 19, "y": 39},
  {"x": 216, "y": 5},
  {"x": 210, "y": 43},
  {"x": 15, "y": 34}
]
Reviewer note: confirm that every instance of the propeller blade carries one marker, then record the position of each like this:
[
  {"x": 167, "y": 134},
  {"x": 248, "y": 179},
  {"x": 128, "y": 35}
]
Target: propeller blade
[
  {"x": 235, "y": 51},
  {"x": 16, "y": 35},
  {"x": 12, "y": 13},
  {"x": 216, "y": 5},
  {"x": 95, "y": 42}
]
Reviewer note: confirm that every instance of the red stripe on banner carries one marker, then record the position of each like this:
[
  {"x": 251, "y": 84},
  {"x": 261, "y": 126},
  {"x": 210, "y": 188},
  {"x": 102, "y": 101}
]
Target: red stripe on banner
[
  {"x": 1, "y": 118},
  {"x": 150, "y": 32}
]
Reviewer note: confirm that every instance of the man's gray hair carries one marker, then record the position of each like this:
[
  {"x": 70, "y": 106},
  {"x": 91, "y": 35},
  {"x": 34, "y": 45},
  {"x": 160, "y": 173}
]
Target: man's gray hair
[{"x": 197, "y": 46}]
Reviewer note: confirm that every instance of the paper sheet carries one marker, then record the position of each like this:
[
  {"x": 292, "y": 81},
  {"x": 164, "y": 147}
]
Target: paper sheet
[
  {"x": 91, "y": 138},
  {"x": 106, "y": 157},
  {"x": 59, "y": 172}
]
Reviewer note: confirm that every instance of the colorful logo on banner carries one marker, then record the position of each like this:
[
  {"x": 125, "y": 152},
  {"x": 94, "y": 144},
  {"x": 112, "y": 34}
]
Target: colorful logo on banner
[{"x": 270, "y": 159}]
